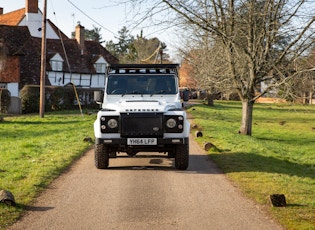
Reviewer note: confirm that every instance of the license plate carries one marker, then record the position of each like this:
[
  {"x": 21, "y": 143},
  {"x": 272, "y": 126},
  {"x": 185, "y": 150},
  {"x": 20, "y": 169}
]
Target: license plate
[{"x": 142, "y": 141}]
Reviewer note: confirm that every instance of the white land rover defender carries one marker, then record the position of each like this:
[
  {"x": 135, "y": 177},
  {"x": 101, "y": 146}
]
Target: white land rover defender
[{"x": 141, "y": 112}]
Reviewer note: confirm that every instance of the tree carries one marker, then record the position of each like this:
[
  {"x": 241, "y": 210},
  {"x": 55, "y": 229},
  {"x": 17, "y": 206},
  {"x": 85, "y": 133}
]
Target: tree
[
  {"x": 303, "y": 85},
  {"x": 94, "y": 34},
  {"x": 123, "y": 49},
  {"x": 208, "y": 64},
  {"x": 136, "y": 50},
  {"x": 150, "y": 50},
  {"x": 111, "y": 47},
  {"x": 186, "y": 74},
  {"x": 251, "y": 34}
]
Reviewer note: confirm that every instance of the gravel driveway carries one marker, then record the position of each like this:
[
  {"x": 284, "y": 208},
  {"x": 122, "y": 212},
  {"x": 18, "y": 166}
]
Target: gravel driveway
[{"x": 144, "y": 193}]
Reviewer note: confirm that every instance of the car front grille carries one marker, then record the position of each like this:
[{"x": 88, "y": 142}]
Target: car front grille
[{"x": 142, "y": 125}]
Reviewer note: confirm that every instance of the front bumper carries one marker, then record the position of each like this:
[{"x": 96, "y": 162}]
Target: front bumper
[{"x": 160, "y": 141}]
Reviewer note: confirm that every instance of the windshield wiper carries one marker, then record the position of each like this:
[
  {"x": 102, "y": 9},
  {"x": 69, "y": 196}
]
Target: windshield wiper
[
  {"x": 160, "y": 92},
  {"x": 136, "y": 92}
]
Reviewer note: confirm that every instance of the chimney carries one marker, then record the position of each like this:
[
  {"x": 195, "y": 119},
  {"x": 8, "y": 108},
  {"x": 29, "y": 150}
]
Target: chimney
[
  {"x": 31, "y": 6},
  {"x": 80, "y": 36},
  {"x": 1, "y": 10}
]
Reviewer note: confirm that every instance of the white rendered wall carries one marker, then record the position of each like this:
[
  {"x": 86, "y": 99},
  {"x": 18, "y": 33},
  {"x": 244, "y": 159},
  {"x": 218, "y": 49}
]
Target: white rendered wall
[
  {"x": 34, "y": 23},
  {"x": 13, "y": 89}
]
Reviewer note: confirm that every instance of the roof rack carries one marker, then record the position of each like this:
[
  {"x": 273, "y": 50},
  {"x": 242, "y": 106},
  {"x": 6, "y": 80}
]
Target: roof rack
[{"x": 142, "y": 68}]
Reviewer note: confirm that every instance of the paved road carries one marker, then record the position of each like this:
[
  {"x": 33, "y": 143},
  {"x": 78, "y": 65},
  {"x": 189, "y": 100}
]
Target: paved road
[{"x": 144, "y": 193}]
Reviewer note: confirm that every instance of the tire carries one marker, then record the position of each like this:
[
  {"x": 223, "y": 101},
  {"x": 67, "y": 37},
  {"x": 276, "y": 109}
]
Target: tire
[
  {"x": 101, "y": 156},
  {"x": 182, "y": 157}
]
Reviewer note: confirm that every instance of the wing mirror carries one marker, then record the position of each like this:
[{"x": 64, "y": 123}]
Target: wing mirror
[{"x": 98, "y": 96}]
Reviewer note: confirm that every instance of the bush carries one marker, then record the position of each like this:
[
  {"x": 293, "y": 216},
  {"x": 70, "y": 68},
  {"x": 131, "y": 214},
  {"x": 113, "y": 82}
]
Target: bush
[
  {"x": 57, "y": 98},
  {"x": 54, "y": 98},
  {"x": 30, "y": 99},
  {"x": 5, "y": 100}
]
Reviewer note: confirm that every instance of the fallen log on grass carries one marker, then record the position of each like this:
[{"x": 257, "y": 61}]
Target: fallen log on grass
[
  {"x": 278, "y": 200},
  {"x": 7, "y": 198}
]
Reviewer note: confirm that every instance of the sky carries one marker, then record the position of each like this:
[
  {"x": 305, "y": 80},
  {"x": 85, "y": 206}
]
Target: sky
[{"x": 107, "y": 15}]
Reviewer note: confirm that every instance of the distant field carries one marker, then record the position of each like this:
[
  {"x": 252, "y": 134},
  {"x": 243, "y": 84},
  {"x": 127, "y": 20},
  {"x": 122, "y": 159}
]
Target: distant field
[
  {"x": 279, "y": 157},
  {"x": 34, "y": 151}
]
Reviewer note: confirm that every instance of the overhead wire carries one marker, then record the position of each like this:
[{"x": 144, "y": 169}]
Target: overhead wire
[
  {"x": 67, "y": 60},
  {"x": 61, "y": 40},
  {"x": 155, "y": 52},
  {"x": 86, "y": 15}
]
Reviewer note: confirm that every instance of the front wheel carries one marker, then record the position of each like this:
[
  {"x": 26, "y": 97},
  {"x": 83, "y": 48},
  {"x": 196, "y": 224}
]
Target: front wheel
[
  {"x": 101, "y": 156},
  {"x": 182, "y": 157}
]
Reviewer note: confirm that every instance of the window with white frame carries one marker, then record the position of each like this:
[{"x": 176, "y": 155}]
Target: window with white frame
[
  {"x": 99, "y": 67},
  {"x": 56, "y": 63}
]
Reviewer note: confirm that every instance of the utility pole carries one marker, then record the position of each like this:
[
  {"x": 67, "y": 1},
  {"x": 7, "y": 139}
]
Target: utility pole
[{"x": 43, "y": 64}]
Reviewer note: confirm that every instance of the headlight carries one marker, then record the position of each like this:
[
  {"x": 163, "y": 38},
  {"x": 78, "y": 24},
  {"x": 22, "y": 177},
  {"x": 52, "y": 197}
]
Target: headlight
[
  {"x": 109, "y": 124},
  {"x": 174, "y": 124},
  {"x": 112, "y": 123},
  {"x": 171, "y": 123}
]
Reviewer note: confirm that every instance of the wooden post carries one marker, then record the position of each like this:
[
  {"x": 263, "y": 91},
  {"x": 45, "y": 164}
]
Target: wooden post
[{"x": 43, "y": 64}]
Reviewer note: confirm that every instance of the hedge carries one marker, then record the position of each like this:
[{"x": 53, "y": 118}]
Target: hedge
[
  {"x": 56, "y": 98},
  {"x": 5, "y": 100}
]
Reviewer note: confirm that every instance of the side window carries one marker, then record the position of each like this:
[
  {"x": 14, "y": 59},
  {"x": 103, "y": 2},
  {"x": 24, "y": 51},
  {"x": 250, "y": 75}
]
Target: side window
[
  {"x": 99, "y": 64},
  {"x": 56, "y": 62},
  {"x": 171, "y": 85},
  {"x": 56, "y": 65},
  {"x": 99, "y": 67}
]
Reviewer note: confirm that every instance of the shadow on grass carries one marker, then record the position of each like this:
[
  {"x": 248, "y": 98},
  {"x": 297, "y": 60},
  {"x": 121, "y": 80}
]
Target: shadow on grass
[
  {"x": 249, "y": 162},
  {"x": 22, "y": 129},
  {"x": 293, "y": 139},
  {"x": 44, "y": 122}
]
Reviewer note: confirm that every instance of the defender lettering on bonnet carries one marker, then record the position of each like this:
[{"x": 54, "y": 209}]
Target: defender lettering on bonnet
[{"x": 141, "y": 112}]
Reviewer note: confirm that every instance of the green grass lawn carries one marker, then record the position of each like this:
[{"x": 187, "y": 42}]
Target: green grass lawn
[
  {"x": 34, "y": 151},
  {"x": 279, "y": 157}
]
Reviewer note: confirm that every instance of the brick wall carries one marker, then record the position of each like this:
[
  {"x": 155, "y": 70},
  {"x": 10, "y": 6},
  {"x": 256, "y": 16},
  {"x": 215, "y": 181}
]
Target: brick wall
[
  {"x": 270, "y": 100},
  {"x": 31, "y": 6},
  {"x": 11, "y": 72}
]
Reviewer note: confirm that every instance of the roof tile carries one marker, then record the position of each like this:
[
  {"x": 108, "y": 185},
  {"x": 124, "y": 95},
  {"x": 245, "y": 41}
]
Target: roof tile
[
  {"x": 12, "y": 18},
  {"x": 20, "y": 43}
]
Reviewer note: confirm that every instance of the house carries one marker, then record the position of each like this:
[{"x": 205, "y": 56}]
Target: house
[{"x": 77, "y": 61}]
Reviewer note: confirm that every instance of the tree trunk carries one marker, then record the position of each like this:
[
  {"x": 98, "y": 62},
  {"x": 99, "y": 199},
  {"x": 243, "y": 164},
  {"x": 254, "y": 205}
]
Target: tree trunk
[
  {"x": 247, "y": 117},
  {"x": 210, "y": 97},
  {"x": 304, "y": 98}
]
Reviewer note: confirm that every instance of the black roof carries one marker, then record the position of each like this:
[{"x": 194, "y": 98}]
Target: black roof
[{"x": 141, "y": 68}]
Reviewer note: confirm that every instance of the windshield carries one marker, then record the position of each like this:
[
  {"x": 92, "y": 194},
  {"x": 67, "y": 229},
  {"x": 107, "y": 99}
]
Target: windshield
[{"x": 141, "y": 84}]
